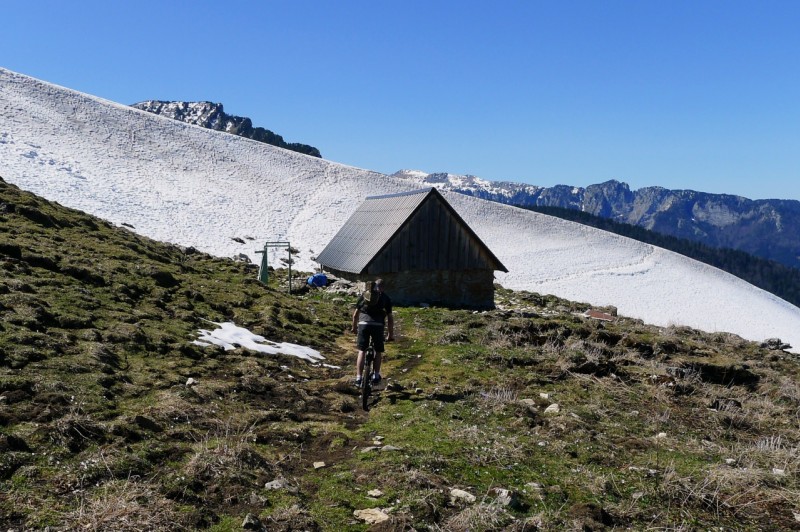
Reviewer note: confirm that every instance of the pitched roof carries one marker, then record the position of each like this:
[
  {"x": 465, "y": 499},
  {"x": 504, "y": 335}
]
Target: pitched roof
[{"x": 372, "y": 226}]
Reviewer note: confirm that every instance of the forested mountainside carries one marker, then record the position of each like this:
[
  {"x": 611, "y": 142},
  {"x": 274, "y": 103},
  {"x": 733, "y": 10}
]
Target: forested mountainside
[{"x": 769, "y": 275}]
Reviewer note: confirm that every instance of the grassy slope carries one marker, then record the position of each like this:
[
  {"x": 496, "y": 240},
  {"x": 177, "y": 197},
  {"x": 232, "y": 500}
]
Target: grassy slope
[{"x": 664, "y": 428}]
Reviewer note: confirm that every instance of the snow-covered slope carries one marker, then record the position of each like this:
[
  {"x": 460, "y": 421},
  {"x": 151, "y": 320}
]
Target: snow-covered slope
[{"x": 192, "y": 186}]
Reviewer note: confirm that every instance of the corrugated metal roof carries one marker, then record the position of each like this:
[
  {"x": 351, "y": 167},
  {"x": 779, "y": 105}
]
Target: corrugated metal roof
[{"x": 368, "y": 230}]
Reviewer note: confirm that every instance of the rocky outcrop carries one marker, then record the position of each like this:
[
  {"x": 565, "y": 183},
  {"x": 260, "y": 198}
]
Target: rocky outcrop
[{"x": 212, "y": 116}]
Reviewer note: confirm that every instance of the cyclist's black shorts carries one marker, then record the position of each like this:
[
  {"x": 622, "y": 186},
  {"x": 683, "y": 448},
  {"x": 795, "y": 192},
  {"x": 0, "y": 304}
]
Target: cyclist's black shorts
[{"x": 365, "y": 330}]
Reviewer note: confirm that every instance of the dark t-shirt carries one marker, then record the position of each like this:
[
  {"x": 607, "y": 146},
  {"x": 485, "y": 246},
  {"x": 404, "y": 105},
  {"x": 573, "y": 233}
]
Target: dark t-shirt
[{"x": 374, "y": 312}]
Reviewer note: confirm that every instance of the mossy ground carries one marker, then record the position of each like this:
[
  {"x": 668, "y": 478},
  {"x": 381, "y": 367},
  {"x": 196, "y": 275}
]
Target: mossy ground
[{"x": 656, "y": 428}]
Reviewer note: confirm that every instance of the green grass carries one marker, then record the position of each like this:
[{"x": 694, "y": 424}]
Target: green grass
[{"x": 665, "y": 428}]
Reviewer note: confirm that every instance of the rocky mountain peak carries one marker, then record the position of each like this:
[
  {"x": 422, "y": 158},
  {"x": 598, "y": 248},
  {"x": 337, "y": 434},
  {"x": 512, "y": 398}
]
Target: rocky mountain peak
[{"x": 212, "y": 115}]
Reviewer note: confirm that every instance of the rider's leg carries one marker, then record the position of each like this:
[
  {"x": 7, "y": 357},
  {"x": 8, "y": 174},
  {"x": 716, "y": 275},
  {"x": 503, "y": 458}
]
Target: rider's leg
[
  {"x": 359, "y": 364},
  {"x": 377, "y": 340},
  {"x": 361, "y": 345}
]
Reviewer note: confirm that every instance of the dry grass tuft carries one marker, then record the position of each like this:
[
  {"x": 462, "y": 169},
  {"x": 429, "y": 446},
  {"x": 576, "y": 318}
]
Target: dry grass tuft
[
  {"x": 553, "y": 349},
  {"x": 222, "y": 451},
  {"x": 482, "y": 516},
  {"x": 499, "y": 397},
  {"x": 124, "y": 506},
  {"x": 454, "y": 335},
  {"x": 485, "y": 447},
  {"x": 723, "y": 490},
  {"x": 170, "y": 408},
  {"x": 291, "y": 518}
]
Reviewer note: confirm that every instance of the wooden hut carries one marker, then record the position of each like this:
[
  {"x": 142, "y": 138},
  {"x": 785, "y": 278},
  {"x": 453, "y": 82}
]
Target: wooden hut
[{"x": 419, "y": 245}]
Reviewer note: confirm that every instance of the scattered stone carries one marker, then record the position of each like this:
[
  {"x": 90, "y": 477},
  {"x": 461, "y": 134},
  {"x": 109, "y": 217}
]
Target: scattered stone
[
  {"x": 277, "y": 484},
  {"x": 319, "y": 465},
  {"x": 371, "y": 516},
  {"x": 552, "y": 409},
  {"x": 457, "y": 495},
  {"x": 369, "y": 449},
  {"x": 507, "y": 498},
  {"x": 778, "y": 472},
  {"x": 379, "y": 438},
  {"x": 375, "y": 493},
  {"x": 661, "y": 435},
  {"x": 775, "y": 344},
  {"x": 190, "y": 381},
  {"x": 257, "y": 500},
  {"x": 534, "y": 486},
  {"x": 730, "y": 461},
  {"x": 544, "y": 395},
  {"x": 390, "y": 448},
  {"x": 251, "y": 522}
]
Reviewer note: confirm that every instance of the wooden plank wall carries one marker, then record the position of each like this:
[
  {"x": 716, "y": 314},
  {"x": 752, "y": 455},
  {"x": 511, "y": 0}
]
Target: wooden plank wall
[
  {"x": 432, "y": 240},
  {"x": 455, "y": 289}
]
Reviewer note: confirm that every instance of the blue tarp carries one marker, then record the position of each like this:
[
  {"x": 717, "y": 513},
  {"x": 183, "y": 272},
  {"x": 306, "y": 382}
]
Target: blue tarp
[{"x": 318, "y": 279}]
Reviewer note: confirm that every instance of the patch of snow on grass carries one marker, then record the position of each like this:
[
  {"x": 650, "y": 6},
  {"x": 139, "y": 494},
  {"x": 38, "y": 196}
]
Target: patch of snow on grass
[{"x": 229, "y": 336}]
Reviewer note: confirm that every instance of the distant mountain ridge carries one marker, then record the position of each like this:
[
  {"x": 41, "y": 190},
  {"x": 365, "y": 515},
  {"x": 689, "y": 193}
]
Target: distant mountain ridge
[
  {"x": 768, "y": 229},
  {"x": 213, "y": 116}
]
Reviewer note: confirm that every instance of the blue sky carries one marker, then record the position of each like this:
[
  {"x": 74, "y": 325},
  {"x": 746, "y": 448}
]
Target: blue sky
[{"x": 700, "y": 95}]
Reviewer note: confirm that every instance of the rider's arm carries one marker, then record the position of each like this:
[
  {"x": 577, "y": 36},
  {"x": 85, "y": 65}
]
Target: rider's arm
[
  {"x": 390, "y": 326},
  {"x": 356, "y": 313}
]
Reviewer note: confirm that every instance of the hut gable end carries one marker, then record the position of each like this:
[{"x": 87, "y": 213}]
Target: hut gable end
[
  {"x": 433, "y": 238},
  {"x": 420, "y": 245}
]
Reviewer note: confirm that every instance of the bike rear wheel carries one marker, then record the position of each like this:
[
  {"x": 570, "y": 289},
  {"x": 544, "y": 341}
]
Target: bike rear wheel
[{"x": 366, "y": 379}]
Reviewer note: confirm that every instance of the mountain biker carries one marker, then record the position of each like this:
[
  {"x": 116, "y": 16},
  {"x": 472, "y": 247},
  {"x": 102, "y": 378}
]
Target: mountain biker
[{"x": 372, "y": 308}]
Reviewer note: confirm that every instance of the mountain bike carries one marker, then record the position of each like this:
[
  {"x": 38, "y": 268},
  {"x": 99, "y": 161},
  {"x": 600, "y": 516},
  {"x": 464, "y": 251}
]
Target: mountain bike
[{"x": 366, "y": 375}]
